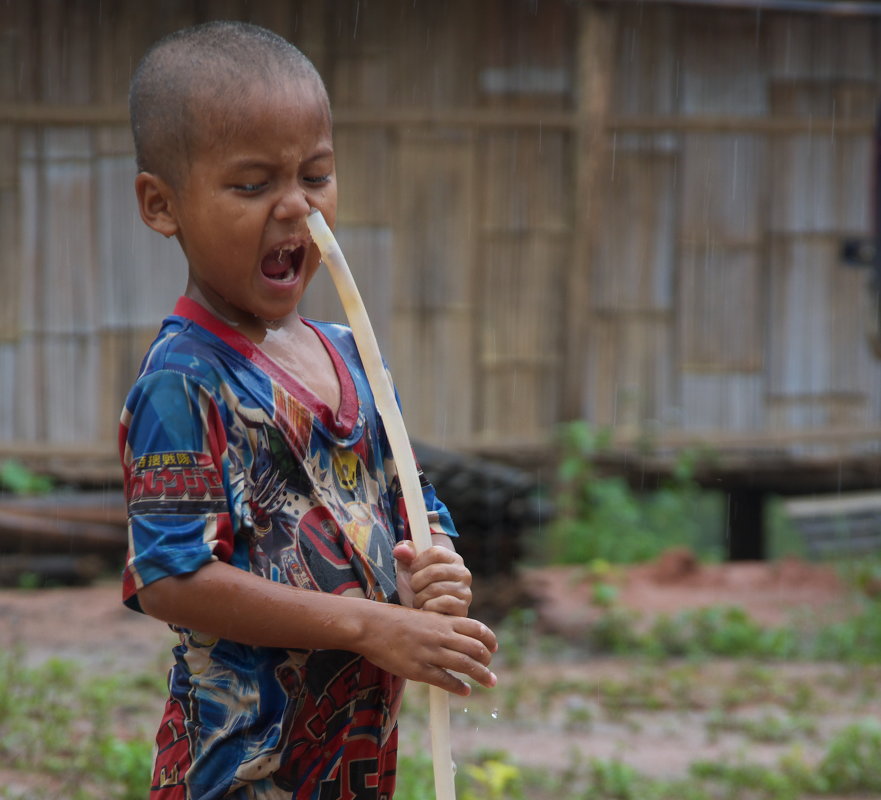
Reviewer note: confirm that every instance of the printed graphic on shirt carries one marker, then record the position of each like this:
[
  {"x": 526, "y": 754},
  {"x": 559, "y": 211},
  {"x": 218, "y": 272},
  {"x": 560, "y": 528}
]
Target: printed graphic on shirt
[{"x": 263, "y": 479}]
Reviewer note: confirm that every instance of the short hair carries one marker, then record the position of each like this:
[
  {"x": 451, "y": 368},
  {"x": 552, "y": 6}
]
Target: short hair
[{"x": 189, "y": 69}]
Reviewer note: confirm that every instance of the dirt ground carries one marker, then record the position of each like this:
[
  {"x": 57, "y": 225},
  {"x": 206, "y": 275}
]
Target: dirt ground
[{"x": 90, "y": 625}]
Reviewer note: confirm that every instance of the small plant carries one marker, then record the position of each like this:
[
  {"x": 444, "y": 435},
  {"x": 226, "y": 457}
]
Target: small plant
[
  {"x": 600, "y": 517},
  {"x": 494, "y": 779},
  {"x": 16, "y": 478},
  {"x": 853, "y": 759},
  {"x": 55, "y": 724}
]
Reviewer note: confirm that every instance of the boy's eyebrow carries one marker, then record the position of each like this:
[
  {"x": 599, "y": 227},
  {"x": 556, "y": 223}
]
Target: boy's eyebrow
[{"x": 249, "y": 162}]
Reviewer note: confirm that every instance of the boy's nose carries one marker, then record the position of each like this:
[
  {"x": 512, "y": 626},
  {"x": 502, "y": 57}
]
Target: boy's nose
[{"x": 293, "y": 204}]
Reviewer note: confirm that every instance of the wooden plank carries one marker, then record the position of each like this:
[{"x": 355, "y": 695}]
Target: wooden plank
[
  {"x": 26, "y": 533},
  {"x": 720, "y": 309},
  {"x": 482, "y": 118},
  {"x": 636, "y": 263}
]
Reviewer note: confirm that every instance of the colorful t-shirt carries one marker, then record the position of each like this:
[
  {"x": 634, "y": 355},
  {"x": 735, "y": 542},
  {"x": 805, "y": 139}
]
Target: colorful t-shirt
[{"x": 226, "y": 456}]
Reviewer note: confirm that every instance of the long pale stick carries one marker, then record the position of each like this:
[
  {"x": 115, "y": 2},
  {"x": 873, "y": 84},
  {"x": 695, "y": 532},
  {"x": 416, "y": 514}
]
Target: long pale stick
[{"x": 386, "y": 404}]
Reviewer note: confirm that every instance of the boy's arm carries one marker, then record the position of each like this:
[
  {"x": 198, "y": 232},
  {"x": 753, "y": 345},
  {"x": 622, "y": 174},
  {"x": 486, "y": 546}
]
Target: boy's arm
[{"x": 222, "y": 600}]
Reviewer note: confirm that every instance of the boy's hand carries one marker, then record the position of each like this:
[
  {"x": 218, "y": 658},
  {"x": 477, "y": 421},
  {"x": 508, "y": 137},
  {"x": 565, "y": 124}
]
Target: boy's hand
[
  {"x": 429, "y": 647},
  {"x": 435, "y": 580}
]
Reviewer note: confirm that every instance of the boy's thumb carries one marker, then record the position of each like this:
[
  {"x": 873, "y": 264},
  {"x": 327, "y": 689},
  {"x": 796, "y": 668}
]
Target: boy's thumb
[{"x": 405, "y": 552}]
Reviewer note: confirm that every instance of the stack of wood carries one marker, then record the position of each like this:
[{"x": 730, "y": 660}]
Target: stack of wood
[
  {"x": 67, "y": 537},
  {"x": 76, "y": 535},
  {"x": 495, "y": 507}
]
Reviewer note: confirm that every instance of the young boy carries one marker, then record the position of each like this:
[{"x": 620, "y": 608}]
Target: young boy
[{"x": 265, "y": 519}]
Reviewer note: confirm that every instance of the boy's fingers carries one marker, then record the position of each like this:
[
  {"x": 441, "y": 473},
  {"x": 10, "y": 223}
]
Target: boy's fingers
[
  {"x": 436, "y": 573},
  {"x": 448, "y": 604},
  {"x": 448, "y": 682}
]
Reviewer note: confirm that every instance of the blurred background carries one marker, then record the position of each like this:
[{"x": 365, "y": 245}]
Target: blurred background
[{"x": 620, "y": 257}]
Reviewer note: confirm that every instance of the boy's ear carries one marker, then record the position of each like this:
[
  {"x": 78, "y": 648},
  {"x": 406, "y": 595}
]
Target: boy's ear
[{"x": 156, "y": 203}]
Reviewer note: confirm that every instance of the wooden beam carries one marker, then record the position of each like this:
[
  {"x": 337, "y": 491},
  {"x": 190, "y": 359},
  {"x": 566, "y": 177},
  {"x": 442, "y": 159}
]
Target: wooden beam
[
  {"x": 115, "y": 114},
  {"x": 596, "y": 39}
]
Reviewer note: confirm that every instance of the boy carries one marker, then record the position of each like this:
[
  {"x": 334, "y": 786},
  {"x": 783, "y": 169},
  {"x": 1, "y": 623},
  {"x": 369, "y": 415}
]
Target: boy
[{"x": 265, "y": 514}]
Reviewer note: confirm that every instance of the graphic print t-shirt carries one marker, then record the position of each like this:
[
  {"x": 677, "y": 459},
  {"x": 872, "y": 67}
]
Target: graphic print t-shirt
[{"x": 227, "y": 457}]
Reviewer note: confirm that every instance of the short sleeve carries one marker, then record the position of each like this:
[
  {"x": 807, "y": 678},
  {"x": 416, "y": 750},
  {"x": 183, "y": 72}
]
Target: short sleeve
[{"x": 173, "y": 448}]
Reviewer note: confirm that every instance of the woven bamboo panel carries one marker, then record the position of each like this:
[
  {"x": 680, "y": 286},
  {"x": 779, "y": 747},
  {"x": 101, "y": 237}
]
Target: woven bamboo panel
[
  {"x": 817, "y": 317},
  {"x": 806, "y": 46},
  {"x": 721, "y": 73},
  {"x": 369, "y": 254},
  {"x": 635, "y": 266},
  {"x": 10, "y": 265},
  {"x": 432, "y": 315},
  {"x": 723, "y": 188},
  {"x": 722, "y": 402},
  {"x": 521, "y": 332},
  {"x": 696, "y": 285},
  {"x": 630, "y": 381},
  {"x": 525, "y": 191},
  {"x": 716, "y": 335},
  {"x": 647, "y": 71}
]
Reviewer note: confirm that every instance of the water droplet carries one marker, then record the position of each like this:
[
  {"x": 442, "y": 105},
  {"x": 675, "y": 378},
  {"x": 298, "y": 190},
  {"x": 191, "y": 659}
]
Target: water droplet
[{"x": 494, "y": 713}]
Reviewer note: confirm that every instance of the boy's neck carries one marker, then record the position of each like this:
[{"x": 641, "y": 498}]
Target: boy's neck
[{"x": 255, "y": 329}]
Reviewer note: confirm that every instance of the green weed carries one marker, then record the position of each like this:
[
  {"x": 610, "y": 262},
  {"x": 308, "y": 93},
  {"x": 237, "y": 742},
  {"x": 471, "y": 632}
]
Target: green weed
[
  {"x": 602, "y": 517},
  {"x": 58, "y": 724}
]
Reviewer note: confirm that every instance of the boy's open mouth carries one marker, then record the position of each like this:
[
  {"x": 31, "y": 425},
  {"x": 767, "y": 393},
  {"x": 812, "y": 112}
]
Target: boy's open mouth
[{"x": 283, "y": 263}]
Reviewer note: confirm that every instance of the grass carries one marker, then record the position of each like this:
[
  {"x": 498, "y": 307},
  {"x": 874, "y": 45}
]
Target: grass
[
  {"x": 71, "y": 732},
  {"x": 76, "y": 735}
]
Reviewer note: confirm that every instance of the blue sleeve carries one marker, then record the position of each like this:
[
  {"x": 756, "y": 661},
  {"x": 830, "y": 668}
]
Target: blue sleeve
[{"x": 173, "y": 453}]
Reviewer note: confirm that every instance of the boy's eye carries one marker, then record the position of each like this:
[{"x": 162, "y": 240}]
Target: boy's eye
[
  {"x": 249, "y": 188},
  {"x": 317, "y": 179}
]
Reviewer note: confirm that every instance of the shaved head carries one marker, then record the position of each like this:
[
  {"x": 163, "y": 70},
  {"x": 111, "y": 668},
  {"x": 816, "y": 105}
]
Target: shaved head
[{"x": 189, "y": 86}]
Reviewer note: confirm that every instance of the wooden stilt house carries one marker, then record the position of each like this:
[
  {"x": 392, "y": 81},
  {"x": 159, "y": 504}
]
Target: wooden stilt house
[{"x": 630, "y": 213}]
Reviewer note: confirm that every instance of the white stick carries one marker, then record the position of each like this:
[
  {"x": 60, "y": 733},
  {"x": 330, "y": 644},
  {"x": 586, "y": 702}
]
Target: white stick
[{"x": 399, "y": 441}]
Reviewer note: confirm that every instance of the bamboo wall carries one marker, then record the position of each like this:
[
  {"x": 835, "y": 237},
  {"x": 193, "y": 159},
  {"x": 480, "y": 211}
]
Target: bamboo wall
[{"x": 630, "y": 213}]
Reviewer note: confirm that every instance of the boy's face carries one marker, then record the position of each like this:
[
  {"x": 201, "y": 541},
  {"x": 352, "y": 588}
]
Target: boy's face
[{"x": 240, "y": 213}]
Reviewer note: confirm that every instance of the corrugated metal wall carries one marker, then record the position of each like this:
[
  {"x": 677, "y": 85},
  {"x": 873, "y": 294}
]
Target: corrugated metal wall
[{"x": 630, "y": 213}]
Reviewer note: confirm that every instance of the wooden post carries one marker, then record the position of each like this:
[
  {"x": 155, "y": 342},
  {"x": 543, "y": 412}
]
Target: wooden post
[
  {"x": 746, "y": 525},
  {"x": 593, "y": 88}
]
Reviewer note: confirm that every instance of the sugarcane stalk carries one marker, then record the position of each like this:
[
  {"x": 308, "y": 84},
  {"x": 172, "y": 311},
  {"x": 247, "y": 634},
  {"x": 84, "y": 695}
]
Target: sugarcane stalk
[{"x": 402, "y": 451}]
